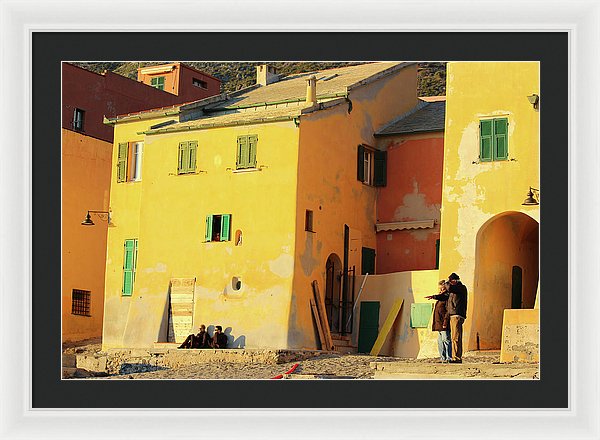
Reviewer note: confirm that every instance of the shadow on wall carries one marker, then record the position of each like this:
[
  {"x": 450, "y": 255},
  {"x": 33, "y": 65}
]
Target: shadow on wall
[{"x": 164, "y": 322}]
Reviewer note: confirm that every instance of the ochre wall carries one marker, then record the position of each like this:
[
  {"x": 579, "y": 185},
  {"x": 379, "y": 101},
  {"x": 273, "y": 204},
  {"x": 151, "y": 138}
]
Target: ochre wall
[
  {"x": 167, "y": 212},
  {"x": 413, "y": 192},
  {"x": 412, "y": 287},
  {"x": 328, "y": 185},
  {"x": 85, "y": 182},
  {"x": 475, "y": 192}
]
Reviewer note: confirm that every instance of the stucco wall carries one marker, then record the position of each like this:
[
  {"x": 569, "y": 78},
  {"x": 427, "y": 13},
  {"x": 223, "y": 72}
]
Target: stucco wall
[
  {"x": 85, "y": 186},
  {"x": 412, "y": 287},
  {"x": 473, "y": 191},
  {"x": 167, "y": 212},
  {"x": 328, "y": 185},
  {"x": 413, "y": 192}
]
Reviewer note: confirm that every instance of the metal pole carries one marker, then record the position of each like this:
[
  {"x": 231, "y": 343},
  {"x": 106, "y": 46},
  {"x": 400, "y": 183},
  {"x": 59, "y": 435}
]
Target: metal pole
[{"x": 357, "y": 296}]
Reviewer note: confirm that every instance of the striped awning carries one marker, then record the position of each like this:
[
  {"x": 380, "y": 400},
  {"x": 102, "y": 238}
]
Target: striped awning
[{"x": 399, "y": 226}]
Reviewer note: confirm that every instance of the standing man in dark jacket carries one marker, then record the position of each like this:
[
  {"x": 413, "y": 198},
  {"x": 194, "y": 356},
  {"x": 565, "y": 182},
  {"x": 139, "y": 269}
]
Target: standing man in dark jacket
[
  {"x": 457, "y": 310},
  {"x": 441, "y": 321}
]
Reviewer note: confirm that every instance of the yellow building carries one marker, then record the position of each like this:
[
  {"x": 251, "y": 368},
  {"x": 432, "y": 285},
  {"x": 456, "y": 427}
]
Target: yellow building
[
  {"x": 227, "y": 209},
  {"x": 492, "y": 151}
]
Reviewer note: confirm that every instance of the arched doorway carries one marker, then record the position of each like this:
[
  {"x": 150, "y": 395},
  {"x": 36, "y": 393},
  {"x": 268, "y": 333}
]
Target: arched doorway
[
  {"x": 506, "y": 275},
  {"x": 333, "y": 284}
]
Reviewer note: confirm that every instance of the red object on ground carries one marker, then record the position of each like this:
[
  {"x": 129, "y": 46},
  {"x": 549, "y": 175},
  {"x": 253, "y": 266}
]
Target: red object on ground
[{"x": 280, "y": 376}]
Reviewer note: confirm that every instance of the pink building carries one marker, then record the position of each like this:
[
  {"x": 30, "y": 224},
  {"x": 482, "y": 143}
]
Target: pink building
[{"x": 408, "y": 207}]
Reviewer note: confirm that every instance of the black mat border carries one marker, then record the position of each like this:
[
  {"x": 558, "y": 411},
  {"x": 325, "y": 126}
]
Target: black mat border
[{"x": 49, "y": 48}]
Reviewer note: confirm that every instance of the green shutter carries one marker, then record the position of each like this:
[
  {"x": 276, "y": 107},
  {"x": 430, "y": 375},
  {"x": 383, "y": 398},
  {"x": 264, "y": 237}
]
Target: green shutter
[
  {"x": 182, "y": 157},
  {"x": 208, "y": 234},
  {"x": 437, "y": 253},
  {"x": 122, "y": 162},
  {"x": 380, "y": 178},
  {"x": 360, "y": 171},
  {"x": 500, "y": 139},
  {"x": 225, "y": 222},
  {"x": 243, "y": 154},
  {"x": 252, "y": 143},
  {"x": 128, "y": 267},
  {"x": 193, "y": 148},
  {"x": 485, "y": 140}
]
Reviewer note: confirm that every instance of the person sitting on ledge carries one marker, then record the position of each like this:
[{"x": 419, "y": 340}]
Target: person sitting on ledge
[
  {"x": 219, "y": 339},
  {"x": 201, "y": 340}
]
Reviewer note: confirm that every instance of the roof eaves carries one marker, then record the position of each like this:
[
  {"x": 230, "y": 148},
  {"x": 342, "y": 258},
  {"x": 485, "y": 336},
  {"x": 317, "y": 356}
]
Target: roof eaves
[
  {"x": 379, "y": 75},
  {"x": 219, "y": 125}
]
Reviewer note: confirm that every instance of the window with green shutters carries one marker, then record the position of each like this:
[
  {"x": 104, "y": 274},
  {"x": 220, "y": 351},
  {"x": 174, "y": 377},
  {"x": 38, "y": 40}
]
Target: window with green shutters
[
  {"x": 371, "y": 166},
  {"x": 158, "y": 82},
  {"x": 186, "y": 159},
  {"x": 493, "y": 139},
  {"x": 246, "y": 151},
  {"x": 129, "y": 265},
  {"x": 122, "y": 162},
  {"x": 218, "y": 227}
]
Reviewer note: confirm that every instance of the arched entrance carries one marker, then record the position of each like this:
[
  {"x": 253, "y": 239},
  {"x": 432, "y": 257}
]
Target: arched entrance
[
  {"x": 333, "y": 285},
  {"x": 506, "y": 275}
]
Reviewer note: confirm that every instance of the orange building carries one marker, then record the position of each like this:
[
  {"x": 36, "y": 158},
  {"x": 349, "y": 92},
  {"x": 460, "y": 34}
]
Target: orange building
[
  {"x": 86, "y": 170},
  {"x": 408, "y": 208},
  {"x": 178, "y": 79}
]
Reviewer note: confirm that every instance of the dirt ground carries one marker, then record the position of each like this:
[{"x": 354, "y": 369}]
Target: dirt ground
[{"x": 328, "y": 366}]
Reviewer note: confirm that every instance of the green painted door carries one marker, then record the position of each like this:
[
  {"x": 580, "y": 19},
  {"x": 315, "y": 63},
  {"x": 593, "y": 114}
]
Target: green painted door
[{"x": 368, "y": 328}]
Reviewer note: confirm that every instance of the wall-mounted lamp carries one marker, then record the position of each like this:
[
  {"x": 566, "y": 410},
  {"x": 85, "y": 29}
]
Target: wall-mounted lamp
[
  {"x": 104, "y": 215},
  {"x": 534, "y": 100},
  {"x": 533, "y": 197}
]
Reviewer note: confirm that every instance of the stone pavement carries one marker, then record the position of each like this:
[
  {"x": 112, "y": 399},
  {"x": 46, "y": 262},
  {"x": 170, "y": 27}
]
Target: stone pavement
[{"x": 312, "y": 365}]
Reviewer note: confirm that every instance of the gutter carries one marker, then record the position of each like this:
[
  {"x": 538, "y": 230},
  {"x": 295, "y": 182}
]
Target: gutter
[
  {"x": 267, "y": 103},
  {"x": 149, "y": 115},
  {"x": 222, "y": 124}
]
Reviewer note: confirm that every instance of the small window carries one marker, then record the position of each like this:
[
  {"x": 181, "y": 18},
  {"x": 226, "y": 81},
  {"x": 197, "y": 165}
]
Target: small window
[
  {"x": 493, "y": 139},
  {"x": 308, "y": 221},
  {"x": 186, "y": 162},
  {"x": 246, "y": 151},
  {"x": 78, "y": 116},
  {"x": 199, "y": 83},
  {"x": 129, "y": 161},
  {"x": 158, "y": 82},
  {"x": 218, "y": 227},
  {"x": 372, "y": 166},
  {"x": 80, "y": 302}
]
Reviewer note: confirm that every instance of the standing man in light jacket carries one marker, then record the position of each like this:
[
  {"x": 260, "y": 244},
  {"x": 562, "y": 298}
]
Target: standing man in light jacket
[{"x": 457, "y": 310}]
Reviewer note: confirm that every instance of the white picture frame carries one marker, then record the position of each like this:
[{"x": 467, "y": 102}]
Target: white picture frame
[{"x": 18, "y": 420}]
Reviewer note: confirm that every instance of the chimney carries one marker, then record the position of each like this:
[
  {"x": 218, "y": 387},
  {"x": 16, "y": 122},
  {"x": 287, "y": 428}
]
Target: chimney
[
  {"x": 266, "y": 75},
  {"x": 311, "y": 90}
]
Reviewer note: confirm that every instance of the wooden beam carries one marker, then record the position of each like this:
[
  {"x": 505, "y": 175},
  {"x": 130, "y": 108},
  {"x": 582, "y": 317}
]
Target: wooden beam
[
  {"x": 320, "y": 302},
  {"x": 387, "y": 326},
  {"x": 315, "y": 312}
]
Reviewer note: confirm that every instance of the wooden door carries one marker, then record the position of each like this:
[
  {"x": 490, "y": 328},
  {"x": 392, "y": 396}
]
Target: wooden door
[{"x": 368, "y": 327}]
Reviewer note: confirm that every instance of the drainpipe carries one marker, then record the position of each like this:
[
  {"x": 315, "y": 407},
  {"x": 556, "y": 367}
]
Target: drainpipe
[{"x": 345, "y": 277}]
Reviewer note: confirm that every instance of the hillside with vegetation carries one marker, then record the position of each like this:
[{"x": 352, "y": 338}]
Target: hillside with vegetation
[{"x": 235, "y": 76}]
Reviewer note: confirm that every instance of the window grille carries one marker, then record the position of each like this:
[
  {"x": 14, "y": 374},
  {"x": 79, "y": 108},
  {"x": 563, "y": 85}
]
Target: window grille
[{"x": 80, "y": 304}]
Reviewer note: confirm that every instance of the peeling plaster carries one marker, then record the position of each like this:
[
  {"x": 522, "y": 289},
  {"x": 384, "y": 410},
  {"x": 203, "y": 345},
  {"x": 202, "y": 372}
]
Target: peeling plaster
[
  {"x": 282, "y": 266},
  {"x": 414, "y": 206},
  {"x": 307, "y": 260},
  {"x": 160, "y": 267}
]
